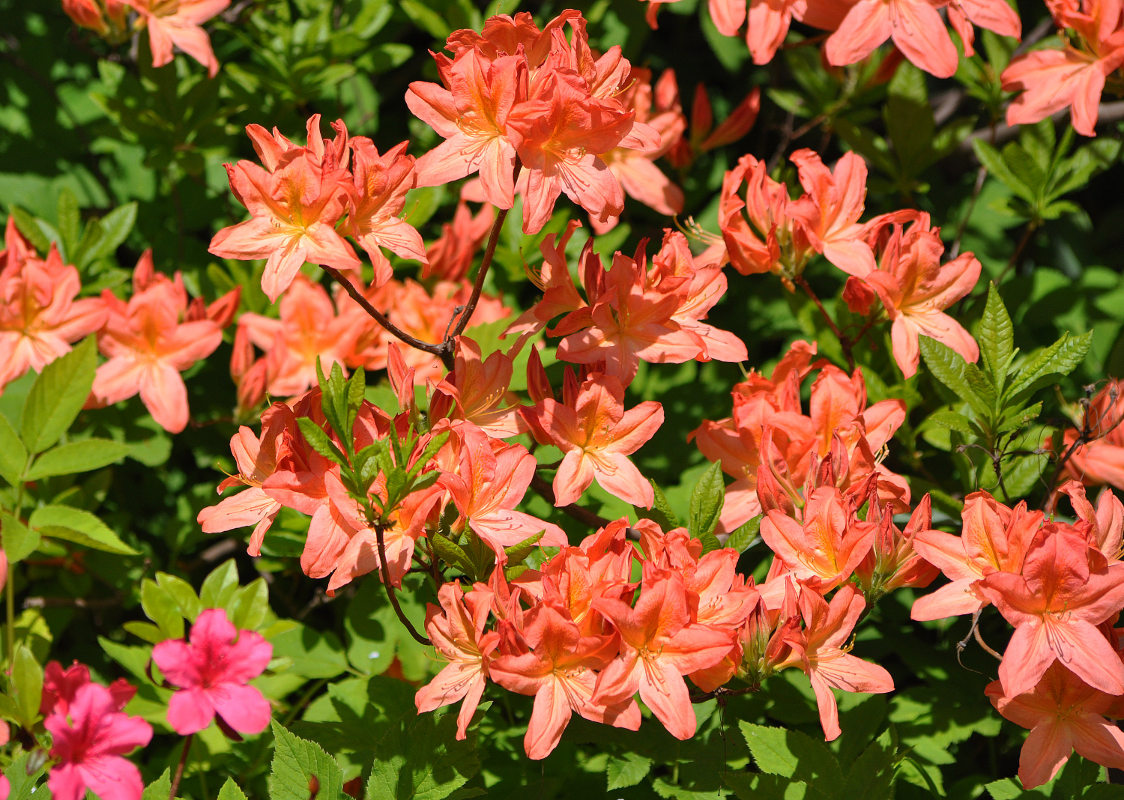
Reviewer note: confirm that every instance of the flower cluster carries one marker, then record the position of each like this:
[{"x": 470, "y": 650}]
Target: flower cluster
[{"x": 1061, "y": 586}]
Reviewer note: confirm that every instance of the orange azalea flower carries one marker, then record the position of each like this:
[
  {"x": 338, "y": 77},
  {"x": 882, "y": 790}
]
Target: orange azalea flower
[
  {"x": 457, "y": 631},
  {"x": 150, "y": 340},
  {"x": 1075, "y": 76},
  {"x": 1064, "y": 592},
  {"x": 597, "y": 435},
  {"x": 294, "y": 204},
  {"x": 39, "y": 315},
  {"x": 177, "y": 23},
  {"x": 915, "y": 289},
  {"x": 1063, "y": 714}
]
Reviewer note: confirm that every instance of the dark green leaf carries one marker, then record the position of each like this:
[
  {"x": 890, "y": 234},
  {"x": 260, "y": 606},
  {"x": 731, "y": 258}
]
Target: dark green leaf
[
  {"x": 1060, "y": 358},
  {"x": 951, "y": 369},
  {"x": 320, "y": 441},
  {"x": 746, "y": 535},
  {"x": 996, "y": 337},
  {"x": 706, "y": 501}
]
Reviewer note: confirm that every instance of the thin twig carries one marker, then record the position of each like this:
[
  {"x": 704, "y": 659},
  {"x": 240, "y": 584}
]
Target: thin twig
[
  {"x": 179, "y": 767},
  {"x": 844, "y": 341},
  {"x": 438, "y": 350},
  {"x": 482, "y": 271},
  {"x": 583, "y": 515},
  {"x": 385, "y": 572}
]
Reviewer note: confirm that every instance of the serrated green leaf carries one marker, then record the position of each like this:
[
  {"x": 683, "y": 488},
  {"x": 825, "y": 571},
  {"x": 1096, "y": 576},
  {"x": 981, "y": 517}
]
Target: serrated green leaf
[
  {"x": 27, "y": 684},
  {"x": 626, "y": 770},
  {"x": 1060, "y": 358},
  {"x": 58, "y": 394},
  {"x": 996, "y": 337},
  {"x": 230, "y": 791},
  {"x": 792, "y": 754},
  {"x": 320, "y": 441},
  {"x": 78, "y": 526},
  {"x": 160, "y": 788},
  {"x": 951, "y": 420},
  {"x": 950, "y": 368},
  {"x": 74, "y": 457},
  {"x": 872, "y": 773},
  {"x": 298, "y": 766},
  {"x": 13, "y": 455},
  {"x": 706, "y": 502},
  {"x": 19, "y": 540}
]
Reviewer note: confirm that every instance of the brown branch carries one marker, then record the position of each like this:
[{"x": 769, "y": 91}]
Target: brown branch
[
  {"x": 384, "y": 571},
  {"x": 844, "y": 341},
  {"x": 438, "y": 350},
  {"x": 481, "y": 273},
  {"x": 583, "y": 515}
]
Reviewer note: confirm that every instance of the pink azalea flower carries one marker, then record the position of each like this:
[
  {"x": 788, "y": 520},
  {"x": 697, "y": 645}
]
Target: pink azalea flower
[
  {"x": 90, "y": 740},
  {"x": 212, "y": 671}
]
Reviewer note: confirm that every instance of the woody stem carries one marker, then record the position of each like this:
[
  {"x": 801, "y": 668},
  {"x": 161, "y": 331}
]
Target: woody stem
[
  {"x": 481, "y": 274},
  {"x": 438, "y": 350},
  {"x": 179, "y": 767},
  {"x": 844, "y": 341},
  {"x": 384, "y": 571}
]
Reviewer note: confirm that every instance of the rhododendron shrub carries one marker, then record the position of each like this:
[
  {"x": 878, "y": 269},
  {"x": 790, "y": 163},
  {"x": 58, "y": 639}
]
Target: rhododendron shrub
[{"x": 657, "y": 399}]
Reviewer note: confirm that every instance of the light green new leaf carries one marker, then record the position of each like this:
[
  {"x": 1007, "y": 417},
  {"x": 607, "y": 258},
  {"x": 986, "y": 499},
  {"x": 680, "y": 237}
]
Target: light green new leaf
[
  {"x": 78, "y": 526},
  {"x": 57, "y": 396},
  {"x": 13, "y": 455},
  {"x": 160, "y": 788},
  {"x": 1060, "y": 358},
  {"x": 300, "y": 766},
  {"x": 20, "y": 541},
  {"x": 219, "y": 586},
  {"x": 73, "y": 457},
  {"x": 996, "y": 337},
  {"x": 706, "y": 502},
  {"x": 27, "y": 683}
]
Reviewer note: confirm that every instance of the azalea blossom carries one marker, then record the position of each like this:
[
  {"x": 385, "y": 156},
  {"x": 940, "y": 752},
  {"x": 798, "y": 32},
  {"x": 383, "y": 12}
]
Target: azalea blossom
[
  {"x": 178, "y": 23},
  {"x": 211, "y": 672},
  {"x": 90, "y": 740}
]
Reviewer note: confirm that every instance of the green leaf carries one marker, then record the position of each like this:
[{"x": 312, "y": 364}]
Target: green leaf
[
  {"x": 746, "y": 535},
  {"x": 20, "y": 541},
  {"x": 626, "y": 770},
  {"x": 451, "y": 553},
  {"x": 57, "y": 396},
  {"x": 872, "y": 773},
  {"x": 78, "y": 526},
  {"x": 186, "y": 599},
  {"x": 997, "y": 166},
  {"x": 13, "y": 455},
  {"x": 320, "y": 441},
  {"x": 31, "y": 230},
  {"x": 950, "y": 368},
  {"x": 661, "y": 512},
  {"x": 70, "y": 222},
  {"x": 249, "y": 606},
  {"x": 160, "y": 607},
  {"x": 517, "y": 553},
  {"x": 219, "y": 586},
  {"x": 115, "y": 228},
  {"x": 27, "y": 684},
  {"x": 996, "y": 337},
  {"x": 951, "y": 420},
  {"x": 1060, "y": 358},
  {"x": 84, "y": 456},
  {"x": 230, "y": 791},
  {"x": 301, "y": 769},
  {"x": 160, "y": 788},
  {"x": 706, "y": 502},
  {"x": 792, "y": 754}
]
